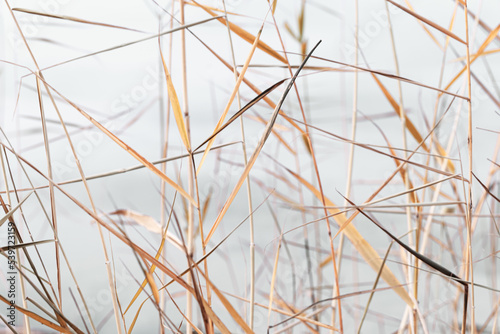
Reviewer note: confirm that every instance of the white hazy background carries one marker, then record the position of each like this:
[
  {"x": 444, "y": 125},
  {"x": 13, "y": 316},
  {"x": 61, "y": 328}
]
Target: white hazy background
[{"x": 124, "y": 90}]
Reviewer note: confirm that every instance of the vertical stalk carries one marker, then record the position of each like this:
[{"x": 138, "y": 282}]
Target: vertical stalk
[
  {"x": 19, "y": 262},
  {"x": 469, "y": 272},
  {"x": 190, "y": 230},
  {"x": 406, "y": 173},
  {"x": 247, "y": 182}
]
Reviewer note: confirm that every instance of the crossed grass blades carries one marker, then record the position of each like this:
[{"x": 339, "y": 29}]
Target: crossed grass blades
[{"x": 314, "y": 265}]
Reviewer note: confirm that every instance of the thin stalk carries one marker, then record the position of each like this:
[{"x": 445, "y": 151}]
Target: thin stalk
[
  {"x": 406, "y": 174},
  {"x": 318, "y": 178},
  {"x": 469, "y": 264},
  {"x": 247, "y": 182},
  {"x": 165, "y": 132},
  {"x": 21, "y": 277}
]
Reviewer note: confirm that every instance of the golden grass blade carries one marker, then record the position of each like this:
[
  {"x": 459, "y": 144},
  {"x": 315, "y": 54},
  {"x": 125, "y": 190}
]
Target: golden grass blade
[
  {"x": 70, "y": 18},
  {"x": 14, "y": 209},
  {"x": 257, "y": 150},
  {"x": 245, "y": 35},
  {"x": 153, "y": 286},
  {"x": 234, "y": 314},
  {"x": 273, "y": 280},
  {"x": 176, "y": 107},
  {"x": 240, "y": 112},
  {"x": 258, "y": 92},
  {"x": 429, "y": 22},
  {"x": 410, "y": 126},
  {"x": 422, "y": 24},
  {"x": 369, "y": 254},
  {"x": 129, "y": 149},
  {"x": 38, "y": 318},
  {"x": 220, "y": 325},
  {"x": 493, "y": 34},
  {"x": 231, "y": 98}
]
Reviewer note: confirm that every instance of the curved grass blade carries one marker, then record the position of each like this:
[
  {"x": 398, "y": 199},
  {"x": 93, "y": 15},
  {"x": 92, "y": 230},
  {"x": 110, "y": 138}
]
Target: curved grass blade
[
  {"x": 245, "y": 35},
  {"x": 70, "y": 18},
  {"x": 241, "y": 111},
  {"x": 362, "y": 246},
  {"x": 429, "y": 22},
  {"x": 176, "y": 107},
  {"x": 257, "y": 150}
]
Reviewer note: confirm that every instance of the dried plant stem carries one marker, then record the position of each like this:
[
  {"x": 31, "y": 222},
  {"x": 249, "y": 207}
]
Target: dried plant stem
[
  {"x": 165, "y": 131},
  {"x": 405, "y": 172},
  {"x": 190, "y": 228},
  {"x": 19, "y": 259},
  {"x": 249, "y": 190},
  {"x": 469, "y": 263}
]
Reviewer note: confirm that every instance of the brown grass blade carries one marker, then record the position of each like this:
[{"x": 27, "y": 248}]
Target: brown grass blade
[
  {"x": 258, "y": 92},
  {"x": 362, "y": 246},
  {"x": 38, "y": 318},
  {"x": 257, "y": 150},
  {"x": 241, "y": 111},
  {"x": 14, "y": 209},
  {"x": 245, "y": 35},
  {"x": 392, "y": 76},
  {"x": 234, "y": 314},
  {"x": 129, "y": 149},
  {"x": 71, "y": 18},
  {"x": 486, "y": 188},
  {"x": 132, "y": 43},
  {"x": 26, "y": 244},
  {"x": 410, "y": 126},
  {"x": 176, "y": 107},
  {"x": 429, "y": 22},
  {"x": 231, "y": 98}
]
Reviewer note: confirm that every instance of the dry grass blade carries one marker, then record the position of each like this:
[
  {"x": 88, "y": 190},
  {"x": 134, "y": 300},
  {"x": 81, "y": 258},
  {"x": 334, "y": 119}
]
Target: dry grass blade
[
  {"x": 493, "y": 34},
  {"x": 70, "y": 18},
  {"x": 362, "y": 246},
  {"x": 245, "y": 35},
  {"x": 257, "y": 150},
  {"x": 391, "y": 76},
  {"x": 133, "y": 42},
  {"x": 141, "y": 252},
  {"x": 436, "y": 266},
  {"x": 233, "y": 95},
  {"x": 38, "y": 318},
  {"x": 486, "y": 188},
  {"x": 429, "y": 22},
  {"x": 129, "y": 150},
  {"x": 347, "y": 295},
  {"x": 234, "y": 314},
  {"x": 176, "y": 107},
  {"x": 150, "y": 224},
  {"x": 26, "y": 244},
  {"x": 241, "y": 112},
  {"x": 14, "y": 209},
  {"x": 410, "y": 126}
]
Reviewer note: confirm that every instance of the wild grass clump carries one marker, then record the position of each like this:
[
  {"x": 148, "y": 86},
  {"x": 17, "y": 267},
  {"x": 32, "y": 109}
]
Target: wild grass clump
[{"x": 249, "y": 167}]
